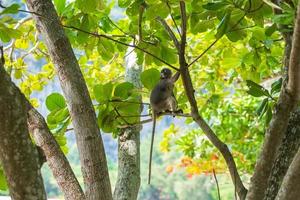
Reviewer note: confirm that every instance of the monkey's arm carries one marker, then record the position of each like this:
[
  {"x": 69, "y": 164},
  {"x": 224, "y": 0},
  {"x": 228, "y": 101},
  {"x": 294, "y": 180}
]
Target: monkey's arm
[{"x": 175, "y": 77}]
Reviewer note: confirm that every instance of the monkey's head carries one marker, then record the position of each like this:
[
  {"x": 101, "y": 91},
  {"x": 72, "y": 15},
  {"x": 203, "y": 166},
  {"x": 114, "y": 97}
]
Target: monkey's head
[{"x": 165, "y": 73}]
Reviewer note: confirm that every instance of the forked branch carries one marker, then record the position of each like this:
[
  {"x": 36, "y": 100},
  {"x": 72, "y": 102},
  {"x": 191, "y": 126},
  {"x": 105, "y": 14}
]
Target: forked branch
[{"x": 189, "y": 90}]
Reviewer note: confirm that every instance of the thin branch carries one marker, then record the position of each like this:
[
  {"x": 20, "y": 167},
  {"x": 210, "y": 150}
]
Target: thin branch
[
  {"x": 230, "y": 30},
  {"x": 170, "y": 10},
  {"x": 204, "y": 52},
  {"x": 150, "y": 120},
  {"x": 217, "y": 183},
  {"x": 119, "y": 115},
  {"x": 30, "y": 51},
  {"x": 115, "y": 25},
  {"x": 133, "y": 102},
  {"x": 189, "y": 90},
  {"x": 183, "y": 27},
  {"x": 128, "y": 116},
  {"x": 122, "y": 43},
  {"x": 21, "y": 10},
  {"x": 170, "y": 32}
]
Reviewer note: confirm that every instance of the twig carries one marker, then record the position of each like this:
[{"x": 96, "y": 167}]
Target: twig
[
  {"x": 133, "y": 102},
  {"x": 150, "y": 120},
  {"x": 217, "y": 183},
  {"x": 230, "y": 30},
  {"x": 170, "y": 10},
  {"x": 119, "y": 115},
  {"x": 170, "y": 32},
  {"x": 204, "y": 52},
  {"x": 115, "y": 25},
  {"x": 146, "y": 115},
  {"x": 24, "y": 11},
  {"x": 123, "y": 43},
  {"x": 189, "y": 90}
]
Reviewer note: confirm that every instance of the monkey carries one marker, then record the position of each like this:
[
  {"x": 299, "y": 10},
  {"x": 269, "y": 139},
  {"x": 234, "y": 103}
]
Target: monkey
[{"x": 162, "y": 99}]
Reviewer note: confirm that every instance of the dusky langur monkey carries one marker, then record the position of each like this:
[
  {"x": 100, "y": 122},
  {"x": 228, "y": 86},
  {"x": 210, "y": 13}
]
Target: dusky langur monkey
[{"x": 162, "y": 99}]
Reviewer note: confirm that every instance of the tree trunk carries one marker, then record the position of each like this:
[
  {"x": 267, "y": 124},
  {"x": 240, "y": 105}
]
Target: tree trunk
[
  {"x": 291, "y": 139},
  {"x": 88, "y": 138},
  {"x": 287, "y": 103},
  {"x": 290, "y": 187},
  {"x": 18, "y": 155},
  {"x": 55, "y": 158},
  {"x": 287, "y": 151},
  {"x": 128, "y": 182}
]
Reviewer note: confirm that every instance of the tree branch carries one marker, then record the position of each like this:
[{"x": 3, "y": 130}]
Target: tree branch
[
  {"x": 189, "y": 90},
  {"x": 217, "y": 183},
  {"x": 56, "y": 159},
  {"x": 89, "y": 141},
  {"x": 290, "y": 187},
  {"x": 44, "y": 139},
  {"x": 287, "y": 102}
]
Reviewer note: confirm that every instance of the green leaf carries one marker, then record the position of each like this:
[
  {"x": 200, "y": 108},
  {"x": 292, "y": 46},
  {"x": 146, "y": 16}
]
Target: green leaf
[
  {"x": 18, "y": 74},
  {"x": 4, "y": 36},
  {"x": 88, "y": 6},
  {"x": 55, "y": 101},
  {"x": 105, "y": 49},
  {"x": 276, "y": 86},
  {"x": 270, "y": 30},
  {"x": 257, "y": 90},
  {"x": 57, "y": 116},
  {"x": 156, "y": 10},
  {"x": 108, "y": 122},
  {"x": 84, "y": 25},
  {"x": 269, "y": 115},
  {"x": 12, "y": 9},
  {"x": 223, "y": 25},
  {"x": 262, "y": 107},
  {"x": 3, "y": 184},
  {"x": 103, "y": 93},
  {"x": 103, "y": 110},
  {"x": 60, "y": 5},
  {"x": 215, "y": 6},
  {"x": 124, "y": 3},
  {"x": 123, "y": 90},
  {"x": 150, "y": 78}
]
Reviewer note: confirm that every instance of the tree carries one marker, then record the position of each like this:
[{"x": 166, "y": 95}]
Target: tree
[
  {"x": 18, "y": 155},
  {"x": 238, "y": 42}
]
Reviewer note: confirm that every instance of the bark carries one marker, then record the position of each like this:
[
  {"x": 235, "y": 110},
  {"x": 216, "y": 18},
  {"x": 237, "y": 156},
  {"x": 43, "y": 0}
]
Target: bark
[
  {"x": 291, "y": 139},
  {"x": 88, "y": 138},
  {"x": 128, "y": 181},
  {"x": 287, "y": 151},
  {"x": 290, "y": 188},
  {"x": 56, "y": 159},
  {"x": 287, "y": 102},
  {"x": 18, "y": 155}
]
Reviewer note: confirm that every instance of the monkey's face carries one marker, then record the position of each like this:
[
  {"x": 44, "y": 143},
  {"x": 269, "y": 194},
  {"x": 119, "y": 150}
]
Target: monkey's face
[{"x": 165, "y": 73}]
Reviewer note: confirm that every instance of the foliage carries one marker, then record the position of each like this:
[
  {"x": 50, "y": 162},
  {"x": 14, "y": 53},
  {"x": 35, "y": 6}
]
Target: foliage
[{"x": 243, "y": 48}]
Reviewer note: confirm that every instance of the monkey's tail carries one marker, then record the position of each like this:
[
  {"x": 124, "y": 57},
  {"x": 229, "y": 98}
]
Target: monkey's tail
[{"x": 151, "y": 148}]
